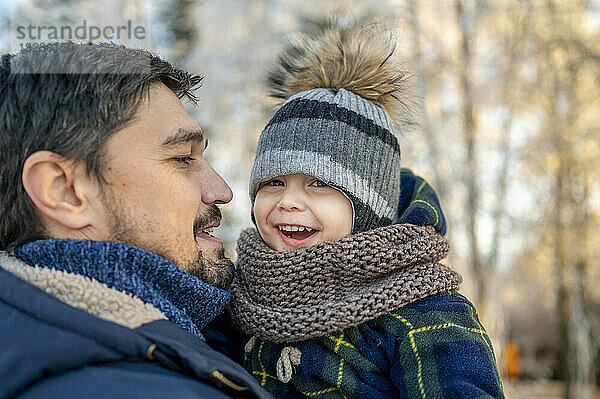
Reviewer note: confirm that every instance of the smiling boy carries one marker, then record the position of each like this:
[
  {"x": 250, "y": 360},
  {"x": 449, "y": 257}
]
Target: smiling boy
[{"x": 340, "y": 299}]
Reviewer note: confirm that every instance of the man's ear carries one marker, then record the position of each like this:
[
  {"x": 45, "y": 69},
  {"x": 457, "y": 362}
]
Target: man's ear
[{"x": 56, "y": 188}]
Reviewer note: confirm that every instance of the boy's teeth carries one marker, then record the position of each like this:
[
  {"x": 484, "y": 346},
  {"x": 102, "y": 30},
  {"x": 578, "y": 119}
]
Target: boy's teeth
[
  {"x": 209, "y": 230},
  {"x": 294, "y": 228}
]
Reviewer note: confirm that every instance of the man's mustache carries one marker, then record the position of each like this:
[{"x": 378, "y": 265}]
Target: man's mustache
[{"x": 212, "y": 214}]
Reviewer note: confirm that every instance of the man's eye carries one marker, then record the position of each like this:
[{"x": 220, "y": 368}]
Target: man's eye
[
  {"x": 186, "y": 160},
  {"x": 318, "y": 183}
]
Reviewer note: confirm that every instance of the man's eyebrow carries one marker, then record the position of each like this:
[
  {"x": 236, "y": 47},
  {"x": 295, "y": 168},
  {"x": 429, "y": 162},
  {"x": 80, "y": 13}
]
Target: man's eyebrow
[{"x": 185, "y": 136}]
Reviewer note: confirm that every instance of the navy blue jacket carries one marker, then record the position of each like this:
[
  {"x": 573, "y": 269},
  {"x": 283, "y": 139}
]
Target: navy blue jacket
[{"x": 51, "y": 350}]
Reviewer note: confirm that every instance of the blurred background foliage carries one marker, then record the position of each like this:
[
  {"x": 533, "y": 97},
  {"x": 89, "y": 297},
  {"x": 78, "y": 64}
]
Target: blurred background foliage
[{"x": 507, "y": 96}]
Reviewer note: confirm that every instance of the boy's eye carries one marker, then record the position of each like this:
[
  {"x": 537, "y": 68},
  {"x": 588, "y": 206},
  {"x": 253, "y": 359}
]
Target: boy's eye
[
  {"x": 318, "y": 183},
  {"x": 273, "y": 182}
]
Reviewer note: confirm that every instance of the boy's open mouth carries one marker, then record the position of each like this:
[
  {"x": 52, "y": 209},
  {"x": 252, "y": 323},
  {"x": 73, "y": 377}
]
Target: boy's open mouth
[{"x": 297, "y": 232}]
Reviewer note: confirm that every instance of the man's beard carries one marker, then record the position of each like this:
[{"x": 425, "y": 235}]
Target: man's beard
[
  {"x": 218, "y": 273},
  {"x": 123, "y": 228}
]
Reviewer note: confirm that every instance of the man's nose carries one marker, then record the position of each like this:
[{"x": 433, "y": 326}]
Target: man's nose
[{"x": 214, "y": 189}]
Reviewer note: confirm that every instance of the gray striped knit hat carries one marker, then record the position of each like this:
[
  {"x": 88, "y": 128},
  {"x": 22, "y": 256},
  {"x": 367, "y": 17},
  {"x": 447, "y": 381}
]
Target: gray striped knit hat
[{"x": 341, "y": 91}]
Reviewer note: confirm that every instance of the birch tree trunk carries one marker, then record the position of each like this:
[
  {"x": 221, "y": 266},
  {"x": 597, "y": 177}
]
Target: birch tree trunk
[{"x": 465, "y": 24}]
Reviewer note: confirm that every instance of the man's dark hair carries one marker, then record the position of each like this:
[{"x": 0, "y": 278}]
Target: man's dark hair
[{"x": 47, "y": 103}]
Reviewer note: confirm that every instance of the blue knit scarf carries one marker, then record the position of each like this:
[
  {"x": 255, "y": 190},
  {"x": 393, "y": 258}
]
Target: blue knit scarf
[{"x": 185, "y": 300}]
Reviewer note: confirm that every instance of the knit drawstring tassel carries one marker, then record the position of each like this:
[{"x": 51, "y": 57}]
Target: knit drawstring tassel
[
  {"x": 250, "y": 344},
  {"x": 290, "y": 357}
]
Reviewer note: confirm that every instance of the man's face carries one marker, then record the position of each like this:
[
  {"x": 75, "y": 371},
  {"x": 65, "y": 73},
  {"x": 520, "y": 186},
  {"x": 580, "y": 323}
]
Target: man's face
[{"x": 161, "y": 193}]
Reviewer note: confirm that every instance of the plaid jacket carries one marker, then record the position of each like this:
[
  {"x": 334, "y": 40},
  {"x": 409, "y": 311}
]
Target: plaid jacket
[{"x": 433, "y": 348}]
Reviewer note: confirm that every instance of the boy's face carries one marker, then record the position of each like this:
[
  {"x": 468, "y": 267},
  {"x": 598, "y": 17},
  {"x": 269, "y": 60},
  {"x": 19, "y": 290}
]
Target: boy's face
[{"x": 296, "y": 211}]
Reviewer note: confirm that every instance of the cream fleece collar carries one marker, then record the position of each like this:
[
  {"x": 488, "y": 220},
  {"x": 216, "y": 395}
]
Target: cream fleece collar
[{"x": 84, "y": 293}]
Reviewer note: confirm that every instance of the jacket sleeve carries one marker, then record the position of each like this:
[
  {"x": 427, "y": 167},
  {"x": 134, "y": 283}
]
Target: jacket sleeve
[
  {"x": 449, "y": 356},
  {"x": 122, "y": 380},
  {"x": 419, "y": 203}
]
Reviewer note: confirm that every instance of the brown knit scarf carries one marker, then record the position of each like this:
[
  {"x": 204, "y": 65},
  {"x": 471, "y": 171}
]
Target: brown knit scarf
[{"x": 314, "y": 291}]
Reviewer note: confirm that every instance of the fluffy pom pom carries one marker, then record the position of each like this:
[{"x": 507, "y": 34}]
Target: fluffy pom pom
[{"x": 357, "y": 55}]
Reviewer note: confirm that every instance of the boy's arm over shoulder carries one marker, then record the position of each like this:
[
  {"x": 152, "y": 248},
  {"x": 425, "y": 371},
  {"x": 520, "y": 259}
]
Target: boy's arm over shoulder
[{"x": 446, "y": 352}]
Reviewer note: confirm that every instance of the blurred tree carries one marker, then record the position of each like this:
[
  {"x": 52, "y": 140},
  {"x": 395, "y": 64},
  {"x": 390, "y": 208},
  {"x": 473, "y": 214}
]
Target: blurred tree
[
  {"x": 178, "y": 18},
  {"x": 422, "y": 85}
]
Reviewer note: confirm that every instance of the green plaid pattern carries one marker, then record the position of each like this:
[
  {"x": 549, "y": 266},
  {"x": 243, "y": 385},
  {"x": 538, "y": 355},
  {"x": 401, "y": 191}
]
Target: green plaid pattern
[{"x": 433, "y": 348}]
